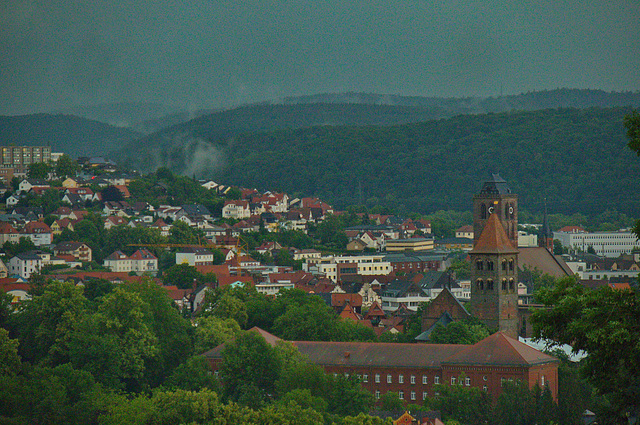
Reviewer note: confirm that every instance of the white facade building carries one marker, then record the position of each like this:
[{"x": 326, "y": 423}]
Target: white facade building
[{"x": 605, "y": 244}]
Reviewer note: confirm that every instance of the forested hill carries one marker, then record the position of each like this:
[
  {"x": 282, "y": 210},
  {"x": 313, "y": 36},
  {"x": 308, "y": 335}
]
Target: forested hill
[
  {"x": 72, "y": 135},
  {"x": 530, "y": 101},
  {"x": 174, "y": 146},
  {"x": 576, "y": 159}
]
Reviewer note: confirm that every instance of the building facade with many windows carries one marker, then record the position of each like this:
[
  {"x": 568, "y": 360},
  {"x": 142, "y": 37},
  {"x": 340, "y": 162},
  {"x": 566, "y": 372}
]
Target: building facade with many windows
[{"x": 22, "y": 156}]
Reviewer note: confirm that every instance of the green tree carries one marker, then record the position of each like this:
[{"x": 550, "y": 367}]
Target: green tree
[
  {"x": 183, "y": 276},
  {"x": 38, "y": 170},
  {"x": 115, "y": 343},
  {"x": 466, "y": 331},
  {"x": 182, "y": 233},
  {"x": 212, "y": 331},
  {"x": 603, "y": 323},
  {"x": 66, "y": 167},
  {"x": 250, "y": 369},
  {"x": 391, "y": 401},
  {"x": 468, "y": 405},
  {"x": 193, "y": 375},
  {"x": 9, "y": 359},
  {"x": 46, "y": 323}
]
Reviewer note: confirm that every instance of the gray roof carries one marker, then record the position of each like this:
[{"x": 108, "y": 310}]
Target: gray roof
[
  {"x": 496, "y": 185},
  {"x": 444, "y": 320}
]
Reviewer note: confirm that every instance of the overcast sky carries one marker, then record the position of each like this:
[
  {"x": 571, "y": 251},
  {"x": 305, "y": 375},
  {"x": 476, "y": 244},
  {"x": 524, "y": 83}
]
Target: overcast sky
[{"x": 210, "y": 53}]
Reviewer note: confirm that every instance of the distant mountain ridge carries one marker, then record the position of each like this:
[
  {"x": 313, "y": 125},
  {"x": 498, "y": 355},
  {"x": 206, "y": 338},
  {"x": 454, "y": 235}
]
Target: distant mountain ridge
[
  {"x": 576, "y": 159},
  {"x": 72, "y": 135}
]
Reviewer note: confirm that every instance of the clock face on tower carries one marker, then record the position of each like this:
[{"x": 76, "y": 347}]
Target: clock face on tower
[
  {"x": 510, "y": 210},
  {"x": 490, "y": 210}
]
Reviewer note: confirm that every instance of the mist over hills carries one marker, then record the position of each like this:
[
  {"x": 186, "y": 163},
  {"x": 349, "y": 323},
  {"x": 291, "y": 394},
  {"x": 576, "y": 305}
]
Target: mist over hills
[
  {"x": 70, "y": 134},
  {"x": 576, "y": 159}
]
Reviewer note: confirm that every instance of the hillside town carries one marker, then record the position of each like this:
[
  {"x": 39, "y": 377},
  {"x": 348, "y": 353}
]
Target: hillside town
[{"x": 86, "y": 221}]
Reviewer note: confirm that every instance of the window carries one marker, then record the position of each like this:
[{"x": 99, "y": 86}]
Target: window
[
  {"x": 489, "y": 265},
  {"x": 389, "y": 380},
  {"x": 377, "y": 378},
  {"x": 413, "y": 379},
  {"x": 401, "y": 395},
  {"x": 542, "y": 380},
  {"x": 436, "y": 379},
  {"x": 511, "y": 284},
  {"x": 504, "y": 284},
  {"x": 467, "y": 381},
  {"x": 365, "y": 378},
  {"x": 479, "y": 265},
  {"x": 504, "y": 265},
  {"x": 413, "y": 395},
  {"x": 378, "y": 394},
  {"x": 401, "y": 379},
  {"x": 490, "y": 284},
  {"x": 425, "y": 380},
  {"x": 453, "y": 380},
  {"x": 424, "y": 395},
  {"x": 480, "y": 284},
  {"x": 511, "y": 265}
]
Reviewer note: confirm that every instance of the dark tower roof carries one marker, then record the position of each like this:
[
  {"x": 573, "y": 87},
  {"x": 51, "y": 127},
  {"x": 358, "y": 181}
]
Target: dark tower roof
[
  {"x": 546, "y": 228},
  {"x": 496, "y": 185}
]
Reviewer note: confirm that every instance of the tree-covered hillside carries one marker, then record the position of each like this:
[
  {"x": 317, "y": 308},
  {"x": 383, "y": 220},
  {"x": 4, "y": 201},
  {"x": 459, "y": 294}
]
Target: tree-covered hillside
[
  {"x": 575, "y": 159},
  {"x": 72, "y": 135}
]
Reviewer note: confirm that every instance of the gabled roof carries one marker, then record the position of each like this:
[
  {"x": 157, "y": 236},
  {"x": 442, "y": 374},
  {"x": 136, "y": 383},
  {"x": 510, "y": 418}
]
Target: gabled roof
[
  {"x": 443, "y": 320},
  {"x": 500, "y": 350},
  {"x": 143, "y": 254},
  {"x": 540, "y": 258},
  {"x": 493, "y": 239}
]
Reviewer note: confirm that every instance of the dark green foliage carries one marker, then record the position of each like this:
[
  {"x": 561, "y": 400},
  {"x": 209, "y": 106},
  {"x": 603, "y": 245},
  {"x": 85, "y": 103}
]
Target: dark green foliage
[
  {"x": 72, "y": 135},
  {"x": 66, "y": 167},
  {"x": 184, "y": 276},
  {"x": 193, "y": 375},
  {"x": 250, "y": 369},
  {"x": 38, "y": 170},
  {"x": 438, "y": 165},
  {"x": 468, "y": 405},
  {"x": 604, "y": 324},
  {"x": 466, "y": 331},
  {"x": 14, "y": 248}
]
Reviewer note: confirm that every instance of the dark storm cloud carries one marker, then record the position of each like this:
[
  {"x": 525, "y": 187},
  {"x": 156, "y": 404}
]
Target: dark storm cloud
[{"x": 212, "y": 53}]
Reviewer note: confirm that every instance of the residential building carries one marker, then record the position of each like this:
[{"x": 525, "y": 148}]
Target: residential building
[
  {"x": 25, "y": 264},
  {"x": 236, "y": 209},
  {"x": 194, "y": 256},
  {"x": 78, "y": 250},
  {"x": 143, "y": 261},
  {"x": 405, "y": 292},
  {"x": 118, "y": 262},
  {"x": 335, "y": 266},
  {"x": 39, "y": 233}
]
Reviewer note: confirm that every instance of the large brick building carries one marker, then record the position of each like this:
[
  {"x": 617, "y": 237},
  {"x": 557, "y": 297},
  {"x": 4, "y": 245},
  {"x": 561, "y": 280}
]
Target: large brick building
[{"x": 414, "y": 370}]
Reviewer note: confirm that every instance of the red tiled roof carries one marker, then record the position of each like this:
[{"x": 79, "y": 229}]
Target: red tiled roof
[
  {"x": 218, "y": 270},
  {"x": 493, "y": 239},
  {"x": 500, "y": 350}
]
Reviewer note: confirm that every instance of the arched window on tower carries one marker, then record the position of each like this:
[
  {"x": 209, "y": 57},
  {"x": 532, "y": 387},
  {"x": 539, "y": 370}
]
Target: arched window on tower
[
  {"x": 504, "y": 284},
  {"x": 479, "y": 265},
  {"x": 504, "y": 265},
  {"x": 511, "y": 284},
  {"x": 483, "y": 211},
  {"x": 490, "y": 284},
  {"x": 511, "y": 265},
  {"x": 490, "y": 265},
  {"x": 506, "y": 212},
  {"x": 480, "y": 284}
]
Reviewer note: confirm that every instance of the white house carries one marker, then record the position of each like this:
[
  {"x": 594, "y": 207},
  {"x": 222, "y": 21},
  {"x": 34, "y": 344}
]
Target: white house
[
  {"x": 118, "y": 262},
  {"x": 236, "y": 209},
  {"x": 143, "y": 261},
  {"x": 194, "y": 256},
  {"x": 25, "y": 264}
]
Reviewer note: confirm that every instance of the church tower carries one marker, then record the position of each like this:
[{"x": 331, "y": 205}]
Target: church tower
[
  {"x": 495, "y": 197},
  {"x": 494, "y": 278}
]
